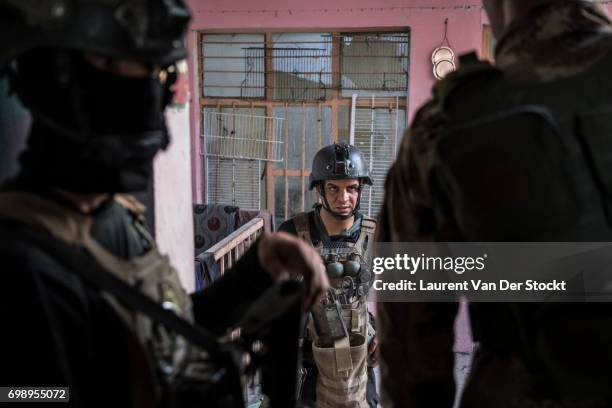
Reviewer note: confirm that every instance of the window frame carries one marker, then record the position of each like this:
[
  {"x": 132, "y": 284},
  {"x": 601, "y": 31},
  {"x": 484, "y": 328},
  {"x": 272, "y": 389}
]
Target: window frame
[{"x": 335, "y": 102}]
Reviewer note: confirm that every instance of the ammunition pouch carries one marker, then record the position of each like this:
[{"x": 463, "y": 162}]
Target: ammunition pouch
[
  {"x": 341, "y": 354},
  {"x": 342, "y": 378}
]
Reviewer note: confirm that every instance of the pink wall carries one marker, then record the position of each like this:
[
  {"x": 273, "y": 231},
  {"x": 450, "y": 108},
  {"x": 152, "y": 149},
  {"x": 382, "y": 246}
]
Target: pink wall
[
  {"x": 425, "y": 18},
  {"x": 172, "y": 189}
]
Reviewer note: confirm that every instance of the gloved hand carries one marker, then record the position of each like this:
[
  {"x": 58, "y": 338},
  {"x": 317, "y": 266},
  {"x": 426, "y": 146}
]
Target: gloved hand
[{"x": 284, "y": 256}]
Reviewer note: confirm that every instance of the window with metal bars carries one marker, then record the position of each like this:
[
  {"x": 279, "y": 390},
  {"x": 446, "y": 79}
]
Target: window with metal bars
[
  {"x": 376, "y": 130},
  {"x": 374, "y": 64},
  {"x": 300, "y": 66},
  {"x": 303, "y": 84}
]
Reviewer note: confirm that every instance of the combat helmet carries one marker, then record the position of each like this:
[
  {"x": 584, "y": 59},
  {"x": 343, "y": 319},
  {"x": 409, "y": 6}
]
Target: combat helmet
[
  {"x": 103, "y": 126},
  {"x": 339, "y": 161},
  {"x": 141, "y": 30}
]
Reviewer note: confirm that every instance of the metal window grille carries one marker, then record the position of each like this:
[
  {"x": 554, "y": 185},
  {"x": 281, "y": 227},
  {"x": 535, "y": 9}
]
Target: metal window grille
[
  {"x": 233, "y": 181},
  {"x": 375, "y": 131},
  {"x": 297, "y": 74},
  {"x": 224, "y": 71},
  {"x": 236, "y": 147},
  {"x": 241, "y": 136},
  {"x": 254, "y": 83},
  {"x": 299, "y": 66},
  {"x": 374, "y": 62}
]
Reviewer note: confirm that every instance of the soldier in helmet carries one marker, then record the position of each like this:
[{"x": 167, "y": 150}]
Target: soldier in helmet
[
  {"x": 513, "y": 151},
  {"x": 76, "y": 257},
  {"x": 343, "y": 236}
]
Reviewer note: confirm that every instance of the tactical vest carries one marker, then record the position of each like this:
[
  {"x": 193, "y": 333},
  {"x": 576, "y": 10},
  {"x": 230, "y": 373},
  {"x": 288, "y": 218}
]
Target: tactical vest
[
  {"x": 342, "y": 363},
  {"x": 530, "y": 162},
  {"x": 344, "y": 250},
  {"x": 152, "y": 272}
]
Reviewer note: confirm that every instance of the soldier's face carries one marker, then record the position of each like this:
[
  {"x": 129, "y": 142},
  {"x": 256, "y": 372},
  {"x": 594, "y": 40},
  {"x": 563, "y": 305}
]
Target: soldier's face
[{"x": 342, "y": 195}]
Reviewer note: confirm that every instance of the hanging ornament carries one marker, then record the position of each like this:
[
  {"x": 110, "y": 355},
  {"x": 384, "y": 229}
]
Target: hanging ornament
[{"x": 443, "y": 57}]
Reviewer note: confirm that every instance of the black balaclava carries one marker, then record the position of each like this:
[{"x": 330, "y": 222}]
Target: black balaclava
[{"x": 93, "y": 131}]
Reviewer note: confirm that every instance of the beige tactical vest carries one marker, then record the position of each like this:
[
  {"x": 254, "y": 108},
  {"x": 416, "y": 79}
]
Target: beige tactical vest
[
  {"x": 342, "y": 379},
  {"x": 152, "y": 272}
]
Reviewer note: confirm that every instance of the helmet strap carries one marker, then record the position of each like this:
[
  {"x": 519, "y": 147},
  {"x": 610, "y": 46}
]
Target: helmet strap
[{"x": 358, "y": 198}]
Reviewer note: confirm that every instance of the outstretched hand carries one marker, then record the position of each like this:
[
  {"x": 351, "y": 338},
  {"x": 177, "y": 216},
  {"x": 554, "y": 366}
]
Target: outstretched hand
[{"x": 284, "y": 256}]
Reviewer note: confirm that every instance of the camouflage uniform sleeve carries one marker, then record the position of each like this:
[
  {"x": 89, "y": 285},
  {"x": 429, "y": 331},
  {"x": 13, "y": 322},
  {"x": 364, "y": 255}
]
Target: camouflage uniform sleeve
[{"x": 416, "y": 339}]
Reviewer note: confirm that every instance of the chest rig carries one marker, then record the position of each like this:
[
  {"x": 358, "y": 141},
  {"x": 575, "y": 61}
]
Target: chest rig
[
  {"x": 339, "y": 326},
  {"x": 151, "y": 273}
]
